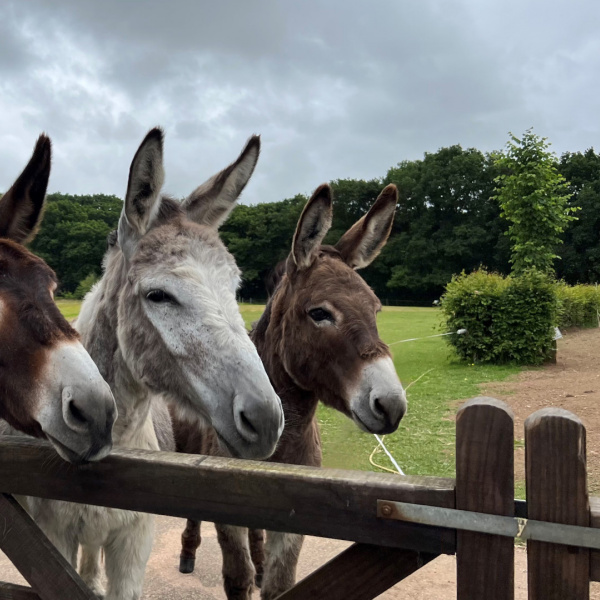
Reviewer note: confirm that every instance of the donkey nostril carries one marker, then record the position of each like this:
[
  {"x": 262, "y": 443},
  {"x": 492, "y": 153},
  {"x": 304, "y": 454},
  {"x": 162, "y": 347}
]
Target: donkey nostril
[
  {"x": 76, "y": 413},
  {"x": 246, "y": 424},
  {"x": 377, "y": 407}
]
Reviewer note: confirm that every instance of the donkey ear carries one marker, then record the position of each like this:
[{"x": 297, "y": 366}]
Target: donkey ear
[
  {"x": 22, "y": 206},
  {"x": 313, "y": 225},
  {"x": 211, "y": 203},
  {"x": 146, "y": 176},
  {"x": 361, "y": 244}
]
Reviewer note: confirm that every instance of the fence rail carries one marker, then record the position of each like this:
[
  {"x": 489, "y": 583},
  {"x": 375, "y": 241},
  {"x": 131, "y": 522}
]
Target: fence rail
[
  {"x": 324, "y": 502},
  {"x": 343, "y": 505}
]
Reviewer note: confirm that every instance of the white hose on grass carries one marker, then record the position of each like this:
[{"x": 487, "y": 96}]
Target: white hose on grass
[{"x": 382, "y": 445}]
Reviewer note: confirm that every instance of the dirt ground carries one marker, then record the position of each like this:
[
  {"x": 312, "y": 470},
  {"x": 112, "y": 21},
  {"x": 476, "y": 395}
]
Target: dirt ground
[
  {"x": 573, "y": 383},
  {"x": 436, "y": 581}
]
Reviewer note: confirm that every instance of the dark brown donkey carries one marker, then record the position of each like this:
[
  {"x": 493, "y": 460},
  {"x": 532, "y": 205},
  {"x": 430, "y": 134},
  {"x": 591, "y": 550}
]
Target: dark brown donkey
[
  {"x": 49, "y": 385},
  {"x": 318, "y": 340}
]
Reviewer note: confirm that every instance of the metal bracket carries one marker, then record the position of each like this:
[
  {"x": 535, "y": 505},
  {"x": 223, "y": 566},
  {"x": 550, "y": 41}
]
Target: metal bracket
[{"x": 514, "y": 527}]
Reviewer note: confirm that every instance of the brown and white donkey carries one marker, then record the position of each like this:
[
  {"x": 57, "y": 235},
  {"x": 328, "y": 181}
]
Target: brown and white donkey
[
  {"x": 49, "y": 386},
  {"x": 318, "y": 340}
]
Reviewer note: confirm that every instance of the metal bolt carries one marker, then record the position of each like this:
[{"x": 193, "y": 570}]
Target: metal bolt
[{"x": 386, "y": 510}]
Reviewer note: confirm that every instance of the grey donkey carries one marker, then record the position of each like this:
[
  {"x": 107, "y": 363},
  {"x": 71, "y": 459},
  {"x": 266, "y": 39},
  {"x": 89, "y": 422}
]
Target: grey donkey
[{"x": 163, "y": 324}]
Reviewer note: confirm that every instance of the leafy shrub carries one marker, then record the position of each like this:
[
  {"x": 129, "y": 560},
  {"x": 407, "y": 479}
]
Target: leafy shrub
[
  {"x": 85, "y": 285},
  {"x": 578, "y": 305},
  {"x": 508, "y": 319}
]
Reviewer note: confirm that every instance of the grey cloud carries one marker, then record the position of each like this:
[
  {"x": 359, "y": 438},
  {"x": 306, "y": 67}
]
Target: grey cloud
[{"x": 336, "y": 88}]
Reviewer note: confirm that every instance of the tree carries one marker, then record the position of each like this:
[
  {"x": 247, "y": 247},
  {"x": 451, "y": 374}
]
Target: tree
[
  {"x": 259, "y": 236},
  {"x": 72, "y": 238},
  {"x": 534, "y": 199},
  {"x": 446, "y": 221},
  {"x": 581, "y": 250}
]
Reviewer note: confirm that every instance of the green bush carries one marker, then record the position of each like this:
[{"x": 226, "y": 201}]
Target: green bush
[
  {"x": 85, "y": 285},
  {"x": 508, "y": 319},
  {"x": 578, "y": 305}
]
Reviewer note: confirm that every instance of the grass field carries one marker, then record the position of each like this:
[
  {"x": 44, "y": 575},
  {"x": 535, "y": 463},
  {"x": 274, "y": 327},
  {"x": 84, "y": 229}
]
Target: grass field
[
  {"x": 424, "y": 443},
  {"x": 69, "y": 308}
]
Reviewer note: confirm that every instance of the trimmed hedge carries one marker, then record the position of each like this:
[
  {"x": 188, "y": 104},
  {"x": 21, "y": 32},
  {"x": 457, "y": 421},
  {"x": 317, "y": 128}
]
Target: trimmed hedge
[
  {"x": 508, "y": 319},
  {"x": 578, "y": 305}
]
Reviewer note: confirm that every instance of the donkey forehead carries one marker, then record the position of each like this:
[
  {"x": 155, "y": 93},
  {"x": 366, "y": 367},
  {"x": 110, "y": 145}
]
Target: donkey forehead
[
  {"x": 331, "y": 280},
  {"x": 22, "y": 270},
  {"x": 30, "y": 309},
  {"x": 184, "y": 248}
]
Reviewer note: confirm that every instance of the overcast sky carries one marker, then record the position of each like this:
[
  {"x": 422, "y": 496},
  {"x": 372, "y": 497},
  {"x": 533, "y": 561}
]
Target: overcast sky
[{"x": 337, "y": 89}]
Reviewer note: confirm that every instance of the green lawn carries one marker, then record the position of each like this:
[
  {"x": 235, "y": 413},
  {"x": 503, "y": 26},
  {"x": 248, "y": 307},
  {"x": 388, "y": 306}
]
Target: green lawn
[
  {"x": 69, "y": 308},
  {"x": 424, "y": 443}
]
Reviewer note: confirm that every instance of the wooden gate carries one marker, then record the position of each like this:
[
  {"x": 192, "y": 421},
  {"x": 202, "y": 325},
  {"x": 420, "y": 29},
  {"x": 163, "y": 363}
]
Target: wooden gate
[{"x": 398, "y": 524}]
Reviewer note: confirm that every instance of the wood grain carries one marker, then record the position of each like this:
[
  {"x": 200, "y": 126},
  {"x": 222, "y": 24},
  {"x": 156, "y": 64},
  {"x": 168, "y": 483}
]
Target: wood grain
[
  {"x": 11, "y": 591},
  {"x": 555, "y": 464},
  {"x": 485, "y": 483},
  {"x": 595, "y": 554},
  {"x": 361, "y": 572},
  {"x": 51, "y": 577},
  {"x": 323, "y": 502}
]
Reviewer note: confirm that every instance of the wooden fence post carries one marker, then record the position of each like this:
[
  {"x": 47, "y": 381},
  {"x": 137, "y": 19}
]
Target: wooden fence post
[
  {"x": 50, "y": 575},
  {"x": 556, "y": 492},
  {"x": 485, "y": 483}
]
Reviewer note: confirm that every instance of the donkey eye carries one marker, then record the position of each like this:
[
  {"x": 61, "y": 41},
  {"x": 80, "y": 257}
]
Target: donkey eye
[
  {"x": 160, "y": 297},
  {"x": 320, "y": 314}
]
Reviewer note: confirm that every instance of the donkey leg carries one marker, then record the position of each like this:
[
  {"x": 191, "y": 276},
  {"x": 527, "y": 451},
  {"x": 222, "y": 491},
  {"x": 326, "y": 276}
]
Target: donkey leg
[
  {"x": 282, "y": 553},
  {"x": 257, "y": 552},
  {"x": 190, "y": 541},
  {"x": 62, "y": 538},
  {"x": 89, "y": 569},
  {"x": 126, "y": 555},
  {"x": 238, "y": 571}
]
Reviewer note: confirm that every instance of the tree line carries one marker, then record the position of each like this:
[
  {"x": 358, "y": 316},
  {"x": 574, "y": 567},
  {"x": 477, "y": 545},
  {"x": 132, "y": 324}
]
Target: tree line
[{"x": 447, "y": 221}]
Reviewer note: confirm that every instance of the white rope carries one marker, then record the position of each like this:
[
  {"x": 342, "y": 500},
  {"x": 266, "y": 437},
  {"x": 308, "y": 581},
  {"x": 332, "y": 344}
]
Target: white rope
[
  {"x": 389, "y": 455},
  {"x": 458, "y": 332},
  {"x": 380, "y": 440}
]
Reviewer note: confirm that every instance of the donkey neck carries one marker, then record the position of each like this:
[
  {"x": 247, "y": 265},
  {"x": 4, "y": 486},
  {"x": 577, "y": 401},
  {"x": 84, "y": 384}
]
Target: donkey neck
[
  {"x": 299, "y": 405},
  {"x": 98, "y": 324}
]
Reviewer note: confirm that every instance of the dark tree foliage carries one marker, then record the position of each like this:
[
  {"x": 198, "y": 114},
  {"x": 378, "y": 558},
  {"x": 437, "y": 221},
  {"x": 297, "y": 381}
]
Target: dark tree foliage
[
  {"x": 447, "y": 221},
  {"x": 352, "y": 198},
  {"x": 72, "y": 239},
  {"x": 581, "y": 249},
  {"x": 259, "y": 237}
]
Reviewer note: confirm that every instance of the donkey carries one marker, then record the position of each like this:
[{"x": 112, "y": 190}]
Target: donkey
[
  {"x": 318, "y": 339},
  {"x": 163, "y": 322},
  {"x": 49, "y": 386}
]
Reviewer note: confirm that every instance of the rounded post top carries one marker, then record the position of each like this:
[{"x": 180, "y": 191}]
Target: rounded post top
[
  {"x": 551, "y": 412},
  {"x": 481, "y": 401}
]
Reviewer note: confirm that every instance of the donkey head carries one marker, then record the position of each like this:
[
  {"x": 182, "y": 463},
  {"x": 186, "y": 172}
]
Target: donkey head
[
  {"x": 329, "y": 344},
  {"x": 180, "y": 329},
  {"x": 49, "y": 385}
]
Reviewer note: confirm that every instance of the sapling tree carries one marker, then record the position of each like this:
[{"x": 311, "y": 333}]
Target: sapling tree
[{"x": 534, "y": 199}]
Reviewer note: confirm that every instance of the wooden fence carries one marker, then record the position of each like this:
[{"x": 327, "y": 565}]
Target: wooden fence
[{"x": 395, "y": 522}]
